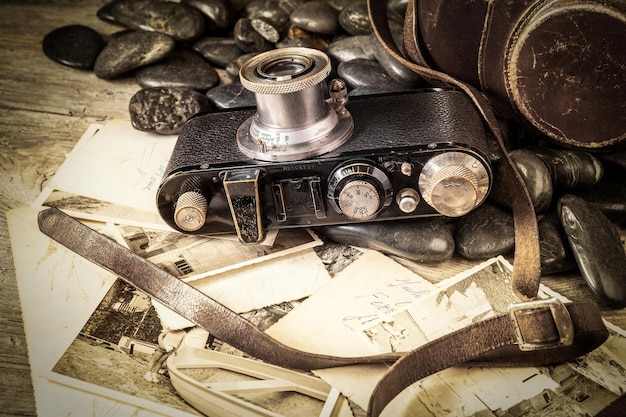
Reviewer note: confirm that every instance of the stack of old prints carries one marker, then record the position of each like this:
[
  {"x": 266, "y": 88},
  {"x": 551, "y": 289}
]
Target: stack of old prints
[{"x": 92, "y": 338}]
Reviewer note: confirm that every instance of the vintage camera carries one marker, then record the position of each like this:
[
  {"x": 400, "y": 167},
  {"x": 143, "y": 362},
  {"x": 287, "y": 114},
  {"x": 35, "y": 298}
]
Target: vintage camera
[{"x": 301, "y": 160}]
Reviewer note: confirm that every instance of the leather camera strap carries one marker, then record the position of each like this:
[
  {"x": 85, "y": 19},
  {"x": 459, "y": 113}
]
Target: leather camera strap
[
  {"x": 496, "y": 340},
  {"x": 473, "y": 342},
  {"x": 534, "y": 333},
  {"x": 527, "y": 271},
  {"x": 182, "y": 298}
]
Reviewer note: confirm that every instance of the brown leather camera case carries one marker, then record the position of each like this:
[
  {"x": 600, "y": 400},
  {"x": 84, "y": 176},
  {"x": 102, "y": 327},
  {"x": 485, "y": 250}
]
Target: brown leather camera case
[{"x": 559, "y": 64}]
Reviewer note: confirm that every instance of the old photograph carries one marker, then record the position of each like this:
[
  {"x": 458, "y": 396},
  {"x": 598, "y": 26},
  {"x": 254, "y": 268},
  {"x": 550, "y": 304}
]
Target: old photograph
[{"x": 126, "y": 351}]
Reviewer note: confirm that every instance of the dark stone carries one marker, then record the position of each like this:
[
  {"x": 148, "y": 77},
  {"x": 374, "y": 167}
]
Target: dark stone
[
  {"x": 76, "y": 46},
  {"x": 248, "y": 39},
  {"x": 266, "y": 29},
  {"x": 598, "y": 250},
  {"x": 217, "y": 51},
  {"x": 340, "y": 4},
  {"x": 300, "y": 42},
  {"x": 106, "y": 12},
  {"x": 232, "y": 95},
  {"x": 165, "y": 110},
  {"x": 536, "y": 177},
  {"x": 570, "y": 168},
  {"x": 219, "y": 14},
  {"x": 609, "y": 197},
  {"x": 421, "y": 240},
  {"x": 556, "y": 255},
  {"x": 351, "y": 47},
  {"x": 232, "y": 69},
  {"x": 617, "y": 157},
  {"x": 132, "y": 50},
  {"x": 299, "y": 37},
  {"x": 355, "y": 19},
  {"x": 365, "y": 73},
  {"x": 181, "y": 22},
  {"x": 486, "y": 232},
  {"x": 288, "y": 6},
  {"x": 399, "y": 6},
  {"x": 268, "y": 9},
  {"x": 398, "y": 71},
  {"x": 316, "y": 17},
  {"x": 180, "y": 69}
]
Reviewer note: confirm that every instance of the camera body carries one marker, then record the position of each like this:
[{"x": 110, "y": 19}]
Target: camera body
[{"x": 413, "y": 154}]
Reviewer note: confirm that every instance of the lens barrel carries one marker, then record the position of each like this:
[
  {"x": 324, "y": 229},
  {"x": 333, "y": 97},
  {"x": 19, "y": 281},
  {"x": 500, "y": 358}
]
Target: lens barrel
[{"x": 293, "y": 120}]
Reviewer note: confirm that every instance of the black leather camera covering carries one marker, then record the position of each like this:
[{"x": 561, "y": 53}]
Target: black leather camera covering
[{"x": 388, "y": 129}]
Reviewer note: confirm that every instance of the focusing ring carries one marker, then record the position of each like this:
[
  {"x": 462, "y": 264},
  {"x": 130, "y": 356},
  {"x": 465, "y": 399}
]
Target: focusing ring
[{"x": 311, "y": 68}]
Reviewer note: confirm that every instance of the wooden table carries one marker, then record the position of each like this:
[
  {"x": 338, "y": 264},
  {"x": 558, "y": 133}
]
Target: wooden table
[{"x": 44, "y": 109}]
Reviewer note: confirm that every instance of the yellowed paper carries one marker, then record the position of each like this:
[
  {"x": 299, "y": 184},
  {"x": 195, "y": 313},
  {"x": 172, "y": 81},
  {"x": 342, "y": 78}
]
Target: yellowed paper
[{"x": 117, "y": 164}]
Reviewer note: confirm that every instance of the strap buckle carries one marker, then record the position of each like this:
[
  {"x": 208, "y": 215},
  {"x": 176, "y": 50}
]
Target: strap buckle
[{"x": 537, "y": 330}]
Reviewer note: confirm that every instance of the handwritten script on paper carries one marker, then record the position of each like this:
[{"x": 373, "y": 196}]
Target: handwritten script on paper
[
  {"x": 370, "y": 288},
  {"x": 349, "y": 318},
  {"x": 117, "y": 164}
]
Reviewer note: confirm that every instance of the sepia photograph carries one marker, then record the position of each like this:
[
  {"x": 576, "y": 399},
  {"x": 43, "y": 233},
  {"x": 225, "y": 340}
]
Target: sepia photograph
[{"x": 126, "y": 351}]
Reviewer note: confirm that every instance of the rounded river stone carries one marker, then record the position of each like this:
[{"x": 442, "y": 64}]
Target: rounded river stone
[
  {"x": 399, "y": 72},
  {"x": 609, "y": 196},
  {"x": 316, "y": 17},
  {"x": 181, "y": 22},
  {"x": 355, "y": 19},
  {"x": 556, "y": 255},
  {"x": 535, "y": 175},
  {"x": 248, "y": 39},
  {"x": 76, "y": 46},
  {"x": 598, "y": 249},
  {"x": 233, "y": 67},
  {"x": 219, "y": 14},
  {"x": 571, "y": 168},
  {"x": 299, "y": 37},
  {"x": 268, "y": 9},
  {"x": 351, "y": 47},
  {"x": 230, "y": 96},
  {"x": 366, "y": 73},
  {"x": 217, "y": 51},
  {"x": 132, "y": 50},
  {"x": 180, "y": 69},
  {"x": 485, "y": 232},
  {"x": 421, "y": 240},
  {"x": 266, "y": 29},
  {"x": 165, "y": 110}
]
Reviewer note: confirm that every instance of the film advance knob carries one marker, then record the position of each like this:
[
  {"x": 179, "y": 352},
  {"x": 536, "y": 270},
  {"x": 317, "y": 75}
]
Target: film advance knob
[
  {"x": 190, "y": 211},
  {"x": 453, "y": 183}
]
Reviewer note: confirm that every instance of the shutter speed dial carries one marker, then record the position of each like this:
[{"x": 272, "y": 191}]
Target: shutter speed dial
[
  {"x": 359, "y": 190},
  {"x": 359, "y": 200}
]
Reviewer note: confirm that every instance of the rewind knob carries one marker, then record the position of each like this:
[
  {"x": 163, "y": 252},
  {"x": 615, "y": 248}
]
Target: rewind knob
[
  {"x": 190, "y": 211},
  {"x": 453, "y": 183}
]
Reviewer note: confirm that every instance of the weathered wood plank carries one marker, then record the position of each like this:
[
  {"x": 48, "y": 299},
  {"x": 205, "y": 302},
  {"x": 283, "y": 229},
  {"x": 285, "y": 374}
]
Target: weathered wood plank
[
  {"x": 31, "y": 81},
  {"x": 44, "y": 109}
]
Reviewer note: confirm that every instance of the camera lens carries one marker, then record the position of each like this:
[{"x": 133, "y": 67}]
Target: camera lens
[
  {"x": 293, "y": 120},
  {"x": 285, "y": 68}
]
